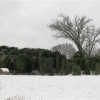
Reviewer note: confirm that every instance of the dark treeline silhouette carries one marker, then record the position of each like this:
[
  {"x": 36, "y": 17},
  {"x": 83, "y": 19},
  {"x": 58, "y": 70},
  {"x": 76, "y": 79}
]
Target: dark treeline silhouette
[
  {"x": 41, "y": 61},
  {"x": 21, "y": 61}
]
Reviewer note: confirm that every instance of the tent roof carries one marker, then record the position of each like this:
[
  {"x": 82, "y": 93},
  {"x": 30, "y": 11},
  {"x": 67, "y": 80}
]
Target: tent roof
[{"x": 4, "y": 69}]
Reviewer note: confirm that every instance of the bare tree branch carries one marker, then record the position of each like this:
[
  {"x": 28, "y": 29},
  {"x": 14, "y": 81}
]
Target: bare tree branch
[
  {"x": 65, "y": 49},
  {"x": 80, "y": 31}
]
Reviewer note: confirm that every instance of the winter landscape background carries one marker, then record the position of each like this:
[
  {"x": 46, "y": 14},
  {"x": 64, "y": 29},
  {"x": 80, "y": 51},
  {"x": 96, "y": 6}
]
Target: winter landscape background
[{"x": 41, "y": 67}]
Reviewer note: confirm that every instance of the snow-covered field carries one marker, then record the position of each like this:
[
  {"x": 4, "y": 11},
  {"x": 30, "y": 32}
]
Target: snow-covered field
[{"x": 49, "y": 87}]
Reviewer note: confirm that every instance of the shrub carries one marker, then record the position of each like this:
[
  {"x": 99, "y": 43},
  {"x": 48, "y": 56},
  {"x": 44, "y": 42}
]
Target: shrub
[
  {"x": 79, "y": 54},
  {"x": 93, "y": 66},
  {"x": 76, "y": 70},
  {"x": 69, "y": 67},
  {"x": 43, "y": 66},
  {"x": 95, "y": 60},
  {"x": 51, "y": 72},
  {"x": 77, "y": 61},
  {"x": 46, "y": 65},
  {"x": 97, "y": 69},
  {"x": 83, "y": 64},
  {"x": 87, "y": 68},
  {"x": 64, "y": 69},
  {"x": 14, "y": 72}
]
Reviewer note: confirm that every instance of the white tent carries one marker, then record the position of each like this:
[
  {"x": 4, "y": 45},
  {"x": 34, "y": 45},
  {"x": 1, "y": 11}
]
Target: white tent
[{"x": 4, "y": 71}]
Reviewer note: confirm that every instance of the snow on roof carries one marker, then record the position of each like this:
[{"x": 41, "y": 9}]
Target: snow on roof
[{"x": 4, "y": 69}]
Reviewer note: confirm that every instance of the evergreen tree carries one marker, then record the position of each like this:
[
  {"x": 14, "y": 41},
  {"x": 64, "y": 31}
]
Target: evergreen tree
[
  {"x": 97, "y": 69},
  {"x": 83, "y": 64},
  {"x": 87, "y": 68},
  {"x": 64, "y": 68},
  {"x": 44, "y": 68},
  {"x": 76, "y": 70}
]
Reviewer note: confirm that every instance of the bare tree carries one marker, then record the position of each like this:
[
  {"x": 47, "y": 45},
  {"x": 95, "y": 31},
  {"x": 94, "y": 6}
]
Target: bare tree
[
  {"x": 66, "y": 49},
  {"x": 91, "y": 39},
  {"x": 78, "y": 30},
  {"x": 93, "y": 52}
]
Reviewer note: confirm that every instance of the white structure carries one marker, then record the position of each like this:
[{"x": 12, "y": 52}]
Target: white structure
[{"x": 4, "y": 71}]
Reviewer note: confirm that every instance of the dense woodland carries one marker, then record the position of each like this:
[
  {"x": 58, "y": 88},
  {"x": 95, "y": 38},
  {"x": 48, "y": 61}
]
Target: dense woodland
[{"x": 24, "y": 61}]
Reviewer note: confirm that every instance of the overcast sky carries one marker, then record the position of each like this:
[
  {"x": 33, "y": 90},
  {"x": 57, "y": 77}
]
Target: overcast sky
[{"x": 24, "y": 23}]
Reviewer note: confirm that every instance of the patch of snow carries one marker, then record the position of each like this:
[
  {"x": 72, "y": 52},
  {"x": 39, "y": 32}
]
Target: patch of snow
[{"x": 50, "y": 87}]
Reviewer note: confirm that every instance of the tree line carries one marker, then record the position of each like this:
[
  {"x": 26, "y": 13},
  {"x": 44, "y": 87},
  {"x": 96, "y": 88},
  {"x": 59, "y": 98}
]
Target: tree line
[
  {"x": 21, "y": 61},
  {"x": 25, "y": 60}
]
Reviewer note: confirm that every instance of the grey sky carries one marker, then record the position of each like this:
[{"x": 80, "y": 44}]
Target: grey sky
[{"x": 24, "y": 23}]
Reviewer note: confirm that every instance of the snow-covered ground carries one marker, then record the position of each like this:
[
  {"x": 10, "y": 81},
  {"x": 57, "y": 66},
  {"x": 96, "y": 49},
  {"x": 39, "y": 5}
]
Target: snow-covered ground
[{"x": 49, "y": 87}]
